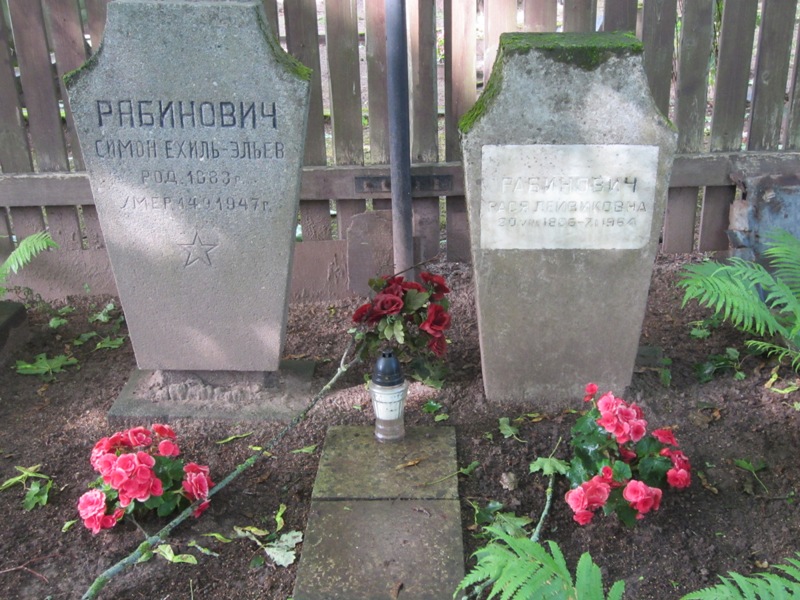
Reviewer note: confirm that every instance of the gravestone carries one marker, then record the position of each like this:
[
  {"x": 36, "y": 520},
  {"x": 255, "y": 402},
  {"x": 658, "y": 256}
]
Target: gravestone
[
  {"x": 192, "y": 121},
  {"x": 567, "y": 162}
]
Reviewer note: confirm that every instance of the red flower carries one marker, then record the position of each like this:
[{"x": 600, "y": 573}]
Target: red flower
[
  {"x": 438, "y": 345},
  {"x": 665, "y": 436},
  {"x": 679, "y": 478},
  {"x": 138, "y": 436},
  {"x": 386, "y": 304},
  {"x": 642, "y": 497},
  {"x": 362, "y": 313},
  {"x": 196, "y": 482},
  {"x": 438, "y": 320},
  {"x": 437, "y": 281},
  {"x": 164, "y": 431},
  {"x": 591, "y": 390},
  {"x": 413, "y": 285}
]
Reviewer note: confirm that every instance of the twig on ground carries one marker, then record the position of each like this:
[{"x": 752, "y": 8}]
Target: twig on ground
[
  {"x": 153, "y": 540},
  {"x": 24, "y": 567}
]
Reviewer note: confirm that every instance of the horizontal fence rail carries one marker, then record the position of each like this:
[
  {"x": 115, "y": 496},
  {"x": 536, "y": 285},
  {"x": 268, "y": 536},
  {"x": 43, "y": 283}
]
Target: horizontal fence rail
[{"x": 725, "y": 73}]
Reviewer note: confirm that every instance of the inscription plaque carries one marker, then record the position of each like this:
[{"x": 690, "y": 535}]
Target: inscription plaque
[
  {"x": 567, "y": 196},
  {"x": 192, "y": 121}
]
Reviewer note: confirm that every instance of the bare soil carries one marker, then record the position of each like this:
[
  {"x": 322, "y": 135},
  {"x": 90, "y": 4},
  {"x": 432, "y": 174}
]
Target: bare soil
[{"x": 723, "y": 522}]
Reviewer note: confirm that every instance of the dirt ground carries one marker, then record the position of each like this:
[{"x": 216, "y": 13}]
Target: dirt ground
[{"x": 725, "y": 521}]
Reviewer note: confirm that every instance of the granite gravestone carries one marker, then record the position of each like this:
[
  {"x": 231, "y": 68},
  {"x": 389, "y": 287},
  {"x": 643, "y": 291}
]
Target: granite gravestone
[
  {"x": 192, "y": 120},
  {"x": 567, "y": 163}
]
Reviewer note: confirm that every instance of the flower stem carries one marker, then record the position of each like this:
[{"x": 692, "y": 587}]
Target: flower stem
[
  {"x": 147, "y": 546},
  {"x": 548, "y": 501}
]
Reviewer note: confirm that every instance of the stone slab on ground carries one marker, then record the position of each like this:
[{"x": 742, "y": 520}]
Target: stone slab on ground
[
  {"x": 227, "y": 395},
  {"x": 13, "y": 328},
  {"x": 378, "y": 529}
]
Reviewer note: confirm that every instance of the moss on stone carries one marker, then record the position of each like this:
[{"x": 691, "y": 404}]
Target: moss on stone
[
  {"x": 289, "y": 62},
  {"x": 583, "y": 50},
  {"x": 72, "y": 76}
]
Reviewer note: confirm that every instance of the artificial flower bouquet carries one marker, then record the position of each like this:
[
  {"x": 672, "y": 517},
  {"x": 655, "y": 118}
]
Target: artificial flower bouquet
[
  {"x": 617, "y": 465},
  {"x": 411, "y": 316},
  {"x": 139, "y": 469}
]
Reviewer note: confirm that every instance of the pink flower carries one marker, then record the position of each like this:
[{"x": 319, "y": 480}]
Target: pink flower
[
  {"x": 665, "y": 436},
  {"x": 196, "y": 482},
  {"x": 679, "y": 478},
  {"x": 138, "y": 436},
  {"x": 627, "y": 455},
  {"x": 591, "y": 390},
  {"x": 583, "y": 517},
  {"x": 588, "y": 497},
  {"x": 164, "y": 431},
  {"x": 642, "y": 497},
  {"x": 623, "y": 421},
  {"x": 201, "y": 508},
  {"x": 168, "y": 448},
  {"x": 91, "y": 504}
]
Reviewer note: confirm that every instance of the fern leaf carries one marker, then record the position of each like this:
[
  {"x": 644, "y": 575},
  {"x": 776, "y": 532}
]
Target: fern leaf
[
  {"x": 783, "y": 253},
  {"x": 588, "y": 579},
  {"x": 27, "y": 249},
  {"x": 617, "y": 591},
  {"x": 731, "y": 290},
  {"x": 558, "y": 564},
  {"x": 764, "y": 586}
]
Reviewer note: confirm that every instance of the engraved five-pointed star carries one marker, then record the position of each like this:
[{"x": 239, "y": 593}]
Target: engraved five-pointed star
[{"x": 197, "y": 250}]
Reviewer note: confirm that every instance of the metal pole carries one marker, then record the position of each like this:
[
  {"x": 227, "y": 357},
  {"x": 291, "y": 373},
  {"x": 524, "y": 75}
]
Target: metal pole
[{"x": 400, "y": 145}]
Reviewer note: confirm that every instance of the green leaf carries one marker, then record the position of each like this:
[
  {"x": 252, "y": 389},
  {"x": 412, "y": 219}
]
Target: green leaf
[
  {"x": 281, "y": 551},
  {"x": 37, "y": 494},
  {"x": 250, "y": 529},
  {"x": 57, "y": 322},
  {"x": 507, "y": 429},
  {"x": 279, "y": 517},
  {"x": 441, "y": 417},
  {"x": 45, "y": 366},
  {"x": 165, "y": 550},
  {"x": 104, "y": 316},
  {"x": 399, "y": 332},
  {"x": 305, "y": 450},
  {"x": 204, "y": 550},
  {"x": 431, "y": 406},
  {"x": 68, "y": 525},
  {"x": 258, "y": 561},
  {"x": 413, "y": 300},
  {"x": 109, "y": 343},
  {"x": 470, "y": 468},
  {"x": 549, "y": 466},
  {"x": 235, "y": 437},
  {"x": 218, "y": 536},
  {"x": 83, "y": 338}
]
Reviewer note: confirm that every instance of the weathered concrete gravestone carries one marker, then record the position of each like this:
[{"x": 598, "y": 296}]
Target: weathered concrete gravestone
[
  {"x": 567, "y": 163},
  {"x": 192, "y": 121}
]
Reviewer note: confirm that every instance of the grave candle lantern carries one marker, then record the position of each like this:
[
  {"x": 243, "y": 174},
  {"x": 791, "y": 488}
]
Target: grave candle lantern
[{"x": 388, "y": 390}]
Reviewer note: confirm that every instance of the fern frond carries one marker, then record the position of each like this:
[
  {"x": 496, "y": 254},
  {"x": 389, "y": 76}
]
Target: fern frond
[
  {"x": 731, "y": 290},
  {"x": 783, "y": 253},
  {"x": 761, "y": 586},
  {"x": 28, "y": 248},
  {"x": 780, "y": 353}
]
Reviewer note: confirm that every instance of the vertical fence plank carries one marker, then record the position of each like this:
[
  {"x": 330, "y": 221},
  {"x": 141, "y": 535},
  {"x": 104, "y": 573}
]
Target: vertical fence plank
[
  {"x": 96, "y": 10},
  {"x": 345, "y": 80},
  {"x": 658, "y": 38},
  {"x": 540, "y": 15},
  {"x": 68, "y": 45},
  {"x": 271, "y": 10},
  {"x": 730, "y": 101},
  {"x": 6, "y": 243},
  {"x": 375, "y": 16},
  {"x": 459, "y": 96},
  {"x": 690, "y": 111},
  {"x": 302, "y": 41},
  {"x": 15, "y": 156},
  {"x": 792, "y": 137},
  {"x": 620, "y": 15},
  {"x": 38, "y": 86},
  {"x": 772, "y": 68},
  {"x": 424, "y": 115},
  {"x": 580, "y": 15},
  {"x": 500, "y": 16}
]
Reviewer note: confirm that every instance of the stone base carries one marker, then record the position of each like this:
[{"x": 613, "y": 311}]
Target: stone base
[
  {"x": 383, "y": 522},
  {"x": 13, "y": 328},
  {"x": 223, "y": 395}
]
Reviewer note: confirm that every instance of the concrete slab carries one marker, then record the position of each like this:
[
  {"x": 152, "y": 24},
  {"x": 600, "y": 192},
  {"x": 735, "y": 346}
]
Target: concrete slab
[
  {"x": 355, "y": 465},
  {"x": 13, "y": 328},
  {"x": 381, "y": 549},
  {"x": 236, "y": 396}
]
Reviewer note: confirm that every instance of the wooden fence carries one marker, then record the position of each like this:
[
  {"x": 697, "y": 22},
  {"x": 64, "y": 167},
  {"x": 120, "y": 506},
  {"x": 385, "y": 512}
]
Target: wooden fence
[{"x": 724, "y": 72}]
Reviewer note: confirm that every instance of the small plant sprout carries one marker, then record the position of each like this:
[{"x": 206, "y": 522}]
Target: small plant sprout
[
  {"x": 37, "y": 486},
  {"x": 753, "y": 469},
  {"x": 508, "y": 430},
  {"x": 44, "y": 366}
]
